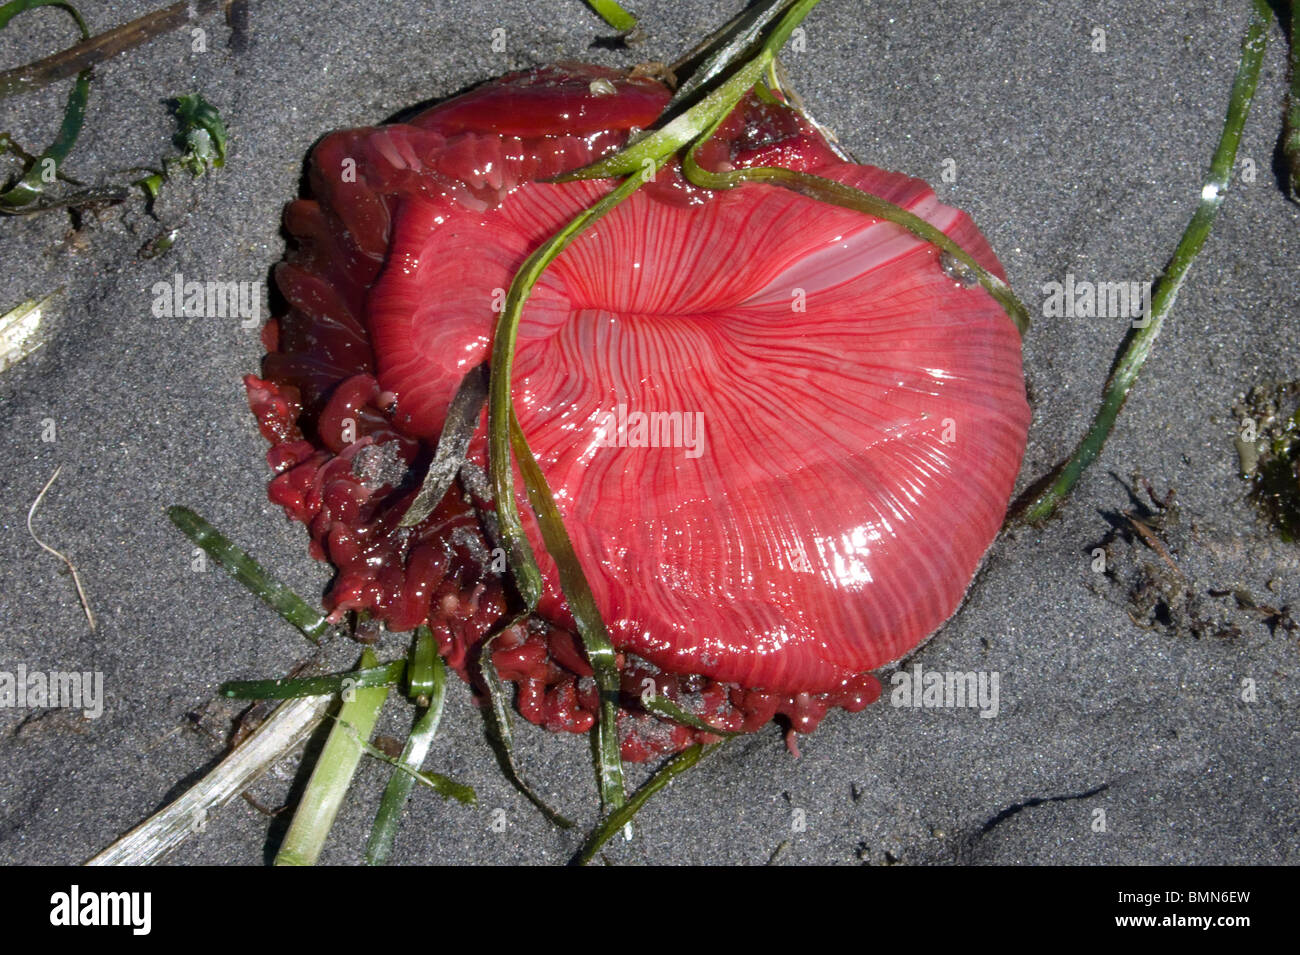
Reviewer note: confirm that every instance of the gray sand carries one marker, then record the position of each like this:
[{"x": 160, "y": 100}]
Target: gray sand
[{"x": 1070, "y": 160}]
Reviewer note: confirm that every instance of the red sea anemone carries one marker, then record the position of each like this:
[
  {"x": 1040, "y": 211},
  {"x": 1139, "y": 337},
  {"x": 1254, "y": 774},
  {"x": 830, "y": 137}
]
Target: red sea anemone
[{"x": 780, "y": 433}]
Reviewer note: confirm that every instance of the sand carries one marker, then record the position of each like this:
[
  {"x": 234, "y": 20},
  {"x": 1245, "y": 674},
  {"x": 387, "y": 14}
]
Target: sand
[{"x": 1117, "y": 739}]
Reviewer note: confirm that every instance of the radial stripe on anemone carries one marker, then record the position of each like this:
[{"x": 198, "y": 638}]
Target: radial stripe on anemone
[{"x": 780, "y": 434}]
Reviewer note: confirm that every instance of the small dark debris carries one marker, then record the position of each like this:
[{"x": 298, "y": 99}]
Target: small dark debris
[
  {"x": 1151, "y": 562},
  {"x": 1268, "y": 446}
]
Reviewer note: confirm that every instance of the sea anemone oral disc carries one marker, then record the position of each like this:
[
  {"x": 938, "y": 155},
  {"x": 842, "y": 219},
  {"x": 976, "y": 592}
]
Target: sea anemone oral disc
[{"x": 781, "y": 434}]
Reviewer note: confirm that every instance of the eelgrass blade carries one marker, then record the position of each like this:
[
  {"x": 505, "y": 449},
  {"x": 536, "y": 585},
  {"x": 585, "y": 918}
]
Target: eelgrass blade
[
  {"x": 582, "y": 604},
  {"x": 32, "y": 185},
  {"x": 662, "y": 706},
  {"x": 837, "y": 193},
  {"x": 620, "y": 817},
  {"x": 444, "y": 786},
  {"x": 387, "y": 819},
  {"x": 250, "y": 573},
  {"x": 501, "y": 437},
  {"x": 734, "y": 40},
  {"x": 528, "y": 578},
  {"x": 652, "y": 150},
  {"x": 282, "y": 732},
  {"x": 1291, "y": 130},
  {"x": 1142, "y": 339},
  {"x": 332, "y": 775},
  {"x": 614, "y": 15},
  {"x": 699, "y": 123},
  {"x": 499, "y": 709},
  {"x": 848, "y": 197},
  {"x": 463, "y": 417},
  {"x": 385, "y": 675},
  {"x": 20, "y": 330},
  {"x": 424, "y": 669}
]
